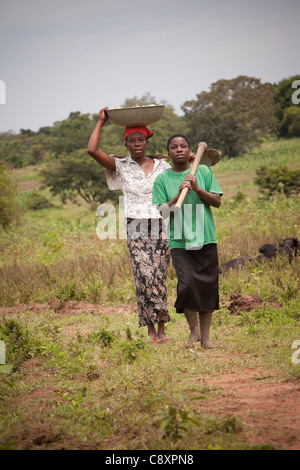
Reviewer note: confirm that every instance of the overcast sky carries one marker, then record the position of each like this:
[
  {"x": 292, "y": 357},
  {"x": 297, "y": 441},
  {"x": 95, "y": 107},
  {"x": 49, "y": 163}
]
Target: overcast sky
[{"x": 73, "y": 55}]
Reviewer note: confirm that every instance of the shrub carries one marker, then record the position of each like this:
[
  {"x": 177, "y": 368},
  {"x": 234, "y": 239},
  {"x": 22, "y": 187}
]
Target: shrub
[
  {"x": 20, "y": 343},
  {"x": 36, "y": 201},
  {"x": 131, "y": 348},
  {"x": 278, "y": 180},
  {"x": 290, "y": 125},
  {"x": 103, "y": 336}
]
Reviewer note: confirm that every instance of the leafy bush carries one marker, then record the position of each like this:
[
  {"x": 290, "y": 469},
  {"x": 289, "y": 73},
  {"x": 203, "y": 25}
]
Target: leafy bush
[
  {"x": 131, "y": 349},
  {"x": 36, "y": 201},
  {"x": 290, "y": 124},
  {"x": 20, "y": 343},
  {"x": 105, "y": 337},
  {"x": 278, "y": 180}
]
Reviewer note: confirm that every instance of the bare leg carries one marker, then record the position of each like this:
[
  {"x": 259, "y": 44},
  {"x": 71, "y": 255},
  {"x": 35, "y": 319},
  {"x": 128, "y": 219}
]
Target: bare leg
[
  {"x": 192, "y": 319},
  {"x": 205, "y": 323},
  {"x": 152, "y": 331},
  {"x": 161, "y": 331}
]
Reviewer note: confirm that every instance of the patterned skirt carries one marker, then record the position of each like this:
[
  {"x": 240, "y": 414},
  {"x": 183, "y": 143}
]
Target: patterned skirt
[{"x": 150, "y": 257}]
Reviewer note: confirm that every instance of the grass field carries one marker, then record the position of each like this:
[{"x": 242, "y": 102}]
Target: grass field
[{"x": 79, "y": 373}]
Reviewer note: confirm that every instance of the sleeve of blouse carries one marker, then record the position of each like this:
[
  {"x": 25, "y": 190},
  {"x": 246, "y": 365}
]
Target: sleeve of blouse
[
  {"x": 166, "y": 165},
  {"x": 112, "y": 177}
]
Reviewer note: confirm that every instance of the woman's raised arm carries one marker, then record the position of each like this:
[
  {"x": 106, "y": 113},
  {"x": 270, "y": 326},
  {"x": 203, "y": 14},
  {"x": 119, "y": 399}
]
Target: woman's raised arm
[{"x": 100, "y": 157}]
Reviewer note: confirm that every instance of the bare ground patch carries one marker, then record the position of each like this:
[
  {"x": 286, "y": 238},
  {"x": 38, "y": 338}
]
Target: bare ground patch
[
  {"x": 245, "y": 303},
  {"x": 235, "y": 303},
  {"x": 268, "y": 407},
  {"x": 68, "y": 308}
]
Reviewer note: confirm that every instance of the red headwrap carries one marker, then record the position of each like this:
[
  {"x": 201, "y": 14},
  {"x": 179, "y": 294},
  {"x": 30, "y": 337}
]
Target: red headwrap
[{"x": 142, "y": 129}]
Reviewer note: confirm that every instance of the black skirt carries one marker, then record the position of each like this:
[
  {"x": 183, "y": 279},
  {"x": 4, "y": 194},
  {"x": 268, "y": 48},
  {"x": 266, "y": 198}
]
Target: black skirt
[{"x": 198, "y": 278}]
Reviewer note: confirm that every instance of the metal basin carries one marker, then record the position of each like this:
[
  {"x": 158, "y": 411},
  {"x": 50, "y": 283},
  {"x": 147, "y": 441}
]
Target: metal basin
[{"x": 135, "y": 116}]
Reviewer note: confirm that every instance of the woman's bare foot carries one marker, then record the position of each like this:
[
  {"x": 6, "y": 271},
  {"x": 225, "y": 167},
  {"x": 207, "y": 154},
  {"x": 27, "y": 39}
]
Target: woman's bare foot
[
  {"x": 152, "y": 332},
  {"x": 205, "y": 323},
  {"x": 161, "y": 332},
  {"x": 208, "y": 344}
]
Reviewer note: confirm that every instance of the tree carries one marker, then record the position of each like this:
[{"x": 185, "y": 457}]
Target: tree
[
  {"x": 233, "y": 115},
  {"x": 77, "y": 174},
  {"x": 15, "y": 152},
  {"x": 283, "y": 95},
  {"x": 37, "y": 153},
  {"x": 9, "y": 209},
  {"x": 287, "y": 112},
  {"x": 144, "y": 100},
  {"x": 72, "y": 133}
]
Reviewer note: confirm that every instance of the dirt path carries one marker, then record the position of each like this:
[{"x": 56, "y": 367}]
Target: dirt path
[{"x": 267, "y": 406}]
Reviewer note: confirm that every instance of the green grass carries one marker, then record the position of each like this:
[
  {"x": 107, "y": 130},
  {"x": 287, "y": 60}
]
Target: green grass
[
  {"x": 272, "y": 152},
  {"x": 237, "y": 174},
  {"x": 79, "y": 373}
]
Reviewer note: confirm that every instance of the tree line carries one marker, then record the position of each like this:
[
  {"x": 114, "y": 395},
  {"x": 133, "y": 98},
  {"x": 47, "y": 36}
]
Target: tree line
[{"x": 233, "y": 116}]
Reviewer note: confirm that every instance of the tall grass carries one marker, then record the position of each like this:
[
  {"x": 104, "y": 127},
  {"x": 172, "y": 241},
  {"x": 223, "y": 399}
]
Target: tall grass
[
  {"x": 69, "y": 262},
  {"x": 93, "y": 278},
  {"x": 242, "y": 227}
]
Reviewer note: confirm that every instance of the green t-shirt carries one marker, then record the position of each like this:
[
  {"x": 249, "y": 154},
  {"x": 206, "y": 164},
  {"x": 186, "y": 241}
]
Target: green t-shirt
[{"x": 192, "y": 226}]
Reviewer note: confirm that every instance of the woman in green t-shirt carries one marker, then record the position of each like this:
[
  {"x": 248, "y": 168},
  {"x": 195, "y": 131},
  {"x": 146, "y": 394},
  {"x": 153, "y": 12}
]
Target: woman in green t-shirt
[{"x": 192, "y": 237}]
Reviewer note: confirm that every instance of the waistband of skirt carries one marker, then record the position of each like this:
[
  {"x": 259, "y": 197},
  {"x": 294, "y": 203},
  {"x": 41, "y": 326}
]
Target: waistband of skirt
[{"x": 138, "y": 220}]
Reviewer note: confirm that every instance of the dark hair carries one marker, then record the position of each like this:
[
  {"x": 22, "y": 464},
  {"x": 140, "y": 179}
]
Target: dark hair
[{"x": 177, "y": 135}]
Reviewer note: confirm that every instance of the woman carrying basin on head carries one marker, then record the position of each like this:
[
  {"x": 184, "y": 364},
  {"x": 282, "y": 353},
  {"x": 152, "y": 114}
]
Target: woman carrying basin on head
[{"x": 149, "y": 255}]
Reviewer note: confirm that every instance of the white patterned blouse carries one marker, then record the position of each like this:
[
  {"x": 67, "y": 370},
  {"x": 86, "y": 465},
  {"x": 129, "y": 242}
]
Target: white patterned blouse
[{"x": 136, "y": 186}]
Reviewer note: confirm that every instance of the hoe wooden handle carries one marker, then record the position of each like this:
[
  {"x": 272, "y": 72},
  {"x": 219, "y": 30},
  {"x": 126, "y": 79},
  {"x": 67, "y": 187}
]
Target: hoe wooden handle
[{"x": 200, "y": 151}]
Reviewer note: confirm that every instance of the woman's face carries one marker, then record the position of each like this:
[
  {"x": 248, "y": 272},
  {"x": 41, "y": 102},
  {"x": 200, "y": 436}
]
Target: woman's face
[
  {"x": 179, "y": 150},
  {"x": 136, "y": 144}
]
